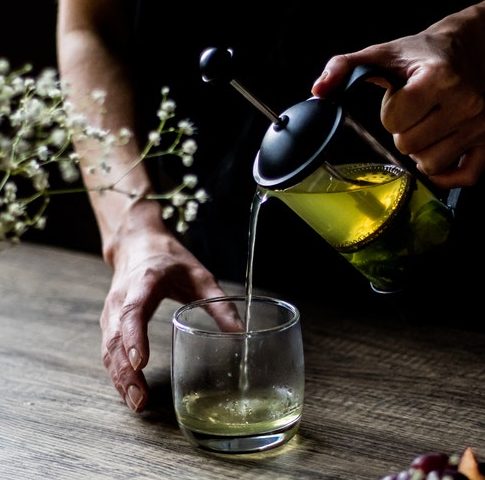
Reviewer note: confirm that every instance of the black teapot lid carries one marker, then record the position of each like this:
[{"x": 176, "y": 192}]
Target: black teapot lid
[{"x": 289, "y": 153}]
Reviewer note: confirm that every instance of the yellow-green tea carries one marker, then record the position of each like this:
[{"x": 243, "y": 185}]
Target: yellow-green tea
[
  {"x": 240, "y": 413},
  {"x": 381, "y": 228}
]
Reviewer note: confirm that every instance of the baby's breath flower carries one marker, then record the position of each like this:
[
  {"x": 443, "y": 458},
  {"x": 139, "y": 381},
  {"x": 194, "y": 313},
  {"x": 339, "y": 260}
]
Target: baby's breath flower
[
  {"x": 168, "y": 106},
  {"x": 16, "y": 209},
  {"x": 168, "y": 212},
  {"x": 40, "y": 223},
  {"x": 186, "y": 127},
  {"x": 38, "y": 125},
  {"x": 43, "y": 152},
  {"x": 201, "y": 196},
  {"x": 10, "y": 192},
  {"x": 125, "y": 134},
  {"x": 4, "y": 66},
  {"x": 58, "y": 137},
  {"x": 163, "y": 115},
  {"x": 191, "y": 209},
  {"x": 40, "y": 181},
  {"x": 68, "y": 171},
  {"x": 154, "y": 137},
  {"x": 190, "y": 180},
  {"x": 179, "y": 199},
  {"x": 31, "y": 168},
  {"x": 187, "y": 160},
  {"x": 189, "y": 147},
  {"x": 182, "y": 226}
]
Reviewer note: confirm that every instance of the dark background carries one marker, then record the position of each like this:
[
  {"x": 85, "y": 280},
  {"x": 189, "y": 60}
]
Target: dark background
[{"x": 290, "y": 257}]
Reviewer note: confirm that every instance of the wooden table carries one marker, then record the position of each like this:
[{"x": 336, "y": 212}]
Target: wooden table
[{"x": 379, "y": 389}]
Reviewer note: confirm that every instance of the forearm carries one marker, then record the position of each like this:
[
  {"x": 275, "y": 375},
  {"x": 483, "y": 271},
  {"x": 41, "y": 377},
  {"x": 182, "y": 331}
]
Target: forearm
[{"x": 87, "y": 64}]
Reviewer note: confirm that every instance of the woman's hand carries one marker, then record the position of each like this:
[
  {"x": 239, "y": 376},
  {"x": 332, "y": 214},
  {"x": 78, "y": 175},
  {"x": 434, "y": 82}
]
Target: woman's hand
[{"x": 149, "y": 265}]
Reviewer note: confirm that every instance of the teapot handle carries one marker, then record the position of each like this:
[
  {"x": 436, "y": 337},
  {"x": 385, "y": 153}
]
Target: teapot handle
[{"x": 363, "y": 72}]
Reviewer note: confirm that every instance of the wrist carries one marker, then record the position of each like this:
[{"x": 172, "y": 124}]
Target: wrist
[
  {"x": 462, "y": 37},
  {"x": 140, "y": 219}
]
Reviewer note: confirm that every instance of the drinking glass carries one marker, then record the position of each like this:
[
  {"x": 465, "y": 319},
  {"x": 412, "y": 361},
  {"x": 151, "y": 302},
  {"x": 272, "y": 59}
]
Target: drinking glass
[{"x": 241, "y": 389}]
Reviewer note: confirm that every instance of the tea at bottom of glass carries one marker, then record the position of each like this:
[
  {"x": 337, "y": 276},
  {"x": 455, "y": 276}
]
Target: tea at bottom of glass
[{"x": 238, "y": 387}]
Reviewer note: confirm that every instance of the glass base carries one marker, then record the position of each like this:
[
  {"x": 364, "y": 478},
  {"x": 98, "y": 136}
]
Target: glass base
[{"x": 241, "y": 444}]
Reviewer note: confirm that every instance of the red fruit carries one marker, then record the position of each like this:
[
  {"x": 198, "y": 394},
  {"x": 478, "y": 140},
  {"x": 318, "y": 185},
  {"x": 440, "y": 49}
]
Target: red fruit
[{"x": 432, "y": 461}]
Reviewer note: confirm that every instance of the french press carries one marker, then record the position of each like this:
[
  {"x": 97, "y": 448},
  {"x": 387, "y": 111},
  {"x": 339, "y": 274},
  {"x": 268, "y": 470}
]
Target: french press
[{"x": 338, "y": 178}]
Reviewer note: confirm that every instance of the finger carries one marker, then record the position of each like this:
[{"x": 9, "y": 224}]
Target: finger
[
  {"x": 197, "y": 282},
  {"x": 445, "y": 154},
  {"x": 142, "y": 298},
  {"x": 131, "y": 385},
  {"x": 462, "y": 106},
  {"x": 427, "y": 89},
  {"x": 439, "y": 157},
  {"x": 336, "y": 70},
  {"x": 466, "y": 173},
  {"x": 339, "y": 67},
  {"x": 226, "y": 316}
]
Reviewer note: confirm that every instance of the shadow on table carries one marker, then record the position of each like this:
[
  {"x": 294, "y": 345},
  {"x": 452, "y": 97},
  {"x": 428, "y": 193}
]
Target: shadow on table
[{"x": 159, "y": 409}]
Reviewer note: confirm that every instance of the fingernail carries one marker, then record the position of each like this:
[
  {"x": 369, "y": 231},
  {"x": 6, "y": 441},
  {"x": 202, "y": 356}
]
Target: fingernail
[
  {"x": 135, "y": 396},
  {"x": 134, "y": 357}
]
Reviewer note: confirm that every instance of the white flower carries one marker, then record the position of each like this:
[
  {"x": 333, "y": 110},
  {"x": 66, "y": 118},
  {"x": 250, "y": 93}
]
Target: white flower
[
  {"x": 31, "y": 168},
  {"x": 182, "y": 226},
  {"x": 43, "y": 152},
  {"x": 168, "y": 106},
  {"x": 187, "y": 160},
  {"x": 10, "y": 192},
  {"x": 68, "y": 171},
  {"x": 190, "y": 212},
  {"x": 163, "y": 115},
  {"x": 201, "y": 196},
  {"x": 40, "y": 223},
  {"x": 125, "y": 134},
  {"x": 16, "y": 209},
  {"x": 167, "y": 212},
  {"x": 190, "y": 180},
  {"x": 40, "y": 181},
  {"x": 58, "y": 137},
  {"x": 186, "y": 127},
  {"x": 189, "y": 147},
  {"x": 179, "y": 199},
  {"x": 4, "y": 66},
  {"x": 154, "y": 137}
]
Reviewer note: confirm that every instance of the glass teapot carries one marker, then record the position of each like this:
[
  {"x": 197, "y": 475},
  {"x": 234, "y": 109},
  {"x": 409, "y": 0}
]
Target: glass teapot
[{"x": 341, "y": 181}]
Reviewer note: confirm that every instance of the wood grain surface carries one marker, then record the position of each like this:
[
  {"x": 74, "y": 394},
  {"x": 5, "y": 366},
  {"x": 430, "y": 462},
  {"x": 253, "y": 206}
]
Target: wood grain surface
[{"x": 380, "y": 388}]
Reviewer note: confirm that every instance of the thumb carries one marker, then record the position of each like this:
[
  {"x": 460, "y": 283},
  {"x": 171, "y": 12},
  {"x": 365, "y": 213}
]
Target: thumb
[
  {"x": 334, "y": 73},
  {"x": 339, "y": 68}
]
